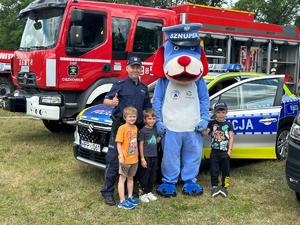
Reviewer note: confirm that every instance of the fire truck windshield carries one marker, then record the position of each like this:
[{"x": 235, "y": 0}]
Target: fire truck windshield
[{"x": 42, "y": 29}]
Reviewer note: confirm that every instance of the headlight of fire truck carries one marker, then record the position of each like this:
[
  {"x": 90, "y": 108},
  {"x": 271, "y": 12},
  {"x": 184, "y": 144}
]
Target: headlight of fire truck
[{"x": 51, "y": 100}]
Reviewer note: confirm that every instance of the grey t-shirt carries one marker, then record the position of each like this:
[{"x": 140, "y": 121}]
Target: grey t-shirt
[{"x": 149, "y": 136}]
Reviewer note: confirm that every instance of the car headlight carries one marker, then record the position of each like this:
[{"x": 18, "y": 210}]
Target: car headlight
[
  {"x": 295, "y": 131},
  {"x": 51, "y": 100}
]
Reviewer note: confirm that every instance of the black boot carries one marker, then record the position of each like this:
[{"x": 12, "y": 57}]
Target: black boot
[{"x": 109, "y": 200}]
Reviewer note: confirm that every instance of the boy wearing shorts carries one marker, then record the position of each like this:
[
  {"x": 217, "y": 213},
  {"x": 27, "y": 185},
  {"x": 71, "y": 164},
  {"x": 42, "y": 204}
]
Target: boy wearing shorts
[{"x": 127, "y": 146}]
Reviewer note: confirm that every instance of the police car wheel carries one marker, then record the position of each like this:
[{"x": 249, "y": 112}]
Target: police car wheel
[
  {"x": 298, "y": 196},
  {"x": 58, "y": 126},
  {"x": 282, "y": 143},
  {"x": 6, "y": 86}
]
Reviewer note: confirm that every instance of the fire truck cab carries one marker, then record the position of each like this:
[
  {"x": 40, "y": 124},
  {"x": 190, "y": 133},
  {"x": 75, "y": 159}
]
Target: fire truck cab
[{"x": 72, "y": 52}]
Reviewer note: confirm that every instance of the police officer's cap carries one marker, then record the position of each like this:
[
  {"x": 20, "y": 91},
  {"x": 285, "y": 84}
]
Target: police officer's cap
[
  {"x": 184, "y": 34},
  {"x": 134, "y": 61}
]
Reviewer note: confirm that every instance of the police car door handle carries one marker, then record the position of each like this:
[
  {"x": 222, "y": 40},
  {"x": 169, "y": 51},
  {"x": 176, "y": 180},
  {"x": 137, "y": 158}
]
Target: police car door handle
[{"x": 268, "y": 120}]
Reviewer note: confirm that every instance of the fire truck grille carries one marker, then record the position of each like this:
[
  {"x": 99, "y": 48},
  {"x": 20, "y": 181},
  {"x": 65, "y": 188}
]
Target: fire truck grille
[{"x": 27, "y": 79}]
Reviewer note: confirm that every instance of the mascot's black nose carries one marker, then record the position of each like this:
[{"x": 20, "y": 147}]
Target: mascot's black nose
[{"x": 184, "y": 60}]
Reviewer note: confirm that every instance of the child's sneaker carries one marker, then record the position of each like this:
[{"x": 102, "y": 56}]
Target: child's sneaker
[
  {"x": 125, "y": 205},
  {"x": 151, "y": 196},
  {"x": 144, "y": 198},
  {"x": 133, "y": 200},
  {"x": 223, "y": 191},
  {"x": 214, "y": 191}
]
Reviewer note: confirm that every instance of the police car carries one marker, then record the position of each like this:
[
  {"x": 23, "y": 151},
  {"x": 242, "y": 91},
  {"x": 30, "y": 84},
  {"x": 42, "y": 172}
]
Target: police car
[{"x": 261, "y": 109}]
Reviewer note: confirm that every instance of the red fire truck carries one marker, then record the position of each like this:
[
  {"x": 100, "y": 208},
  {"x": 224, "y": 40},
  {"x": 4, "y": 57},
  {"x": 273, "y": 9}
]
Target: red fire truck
[
  {"x": 6, "y": 85},
  {"x": 72, "y": 51}
]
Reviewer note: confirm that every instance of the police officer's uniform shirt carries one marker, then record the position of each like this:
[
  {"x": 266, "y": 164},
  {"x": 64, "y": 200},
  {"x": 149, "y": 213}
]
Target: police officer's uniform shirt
[
  {"x": 181, "y": 107},
  {"x": 219, "y": 134},
  {"x": 129, "y": 94}
]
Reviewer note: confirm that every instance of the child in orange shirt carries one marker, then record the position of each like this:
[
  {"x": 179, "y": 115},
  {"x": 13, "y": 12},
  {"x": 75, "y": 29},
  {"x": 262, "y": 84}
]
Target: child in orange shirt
[{"x": 128, "y": 157}]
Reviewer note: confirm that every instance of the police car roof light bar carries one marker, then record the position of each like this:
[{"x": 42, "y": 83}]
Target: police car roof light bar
[{"x": 225, "y": 67}]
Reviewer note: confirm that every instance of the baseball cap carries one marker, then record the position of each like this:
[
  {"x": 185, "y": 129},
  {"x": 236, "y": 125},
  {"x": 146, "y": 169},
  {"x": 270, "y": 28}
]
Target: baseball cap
[
  {"x": 220, "y": 105},
  {"x": 134, "y": 61}
]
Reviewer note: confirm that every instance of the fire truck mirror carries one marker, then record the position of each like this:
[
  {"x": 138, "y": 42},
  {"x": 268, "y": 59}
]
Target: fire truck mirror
[
  {"x": 77, "y": 15},
  {"x": 76, "y": 39}
]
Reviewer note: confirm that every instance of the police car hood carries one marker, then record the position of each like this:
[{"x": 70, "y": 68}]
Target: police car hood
[{"x": 98, "y": 114}]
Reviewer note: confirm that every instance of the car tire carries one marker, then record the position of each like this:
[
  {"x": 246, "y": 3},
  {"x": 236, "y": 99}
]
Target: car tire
[
  {"x": 282, "y": 143},
  {"x": 298, "y": 196},
  {"x": 6, "y": 86},
  {"x": 55, "y": 126}
]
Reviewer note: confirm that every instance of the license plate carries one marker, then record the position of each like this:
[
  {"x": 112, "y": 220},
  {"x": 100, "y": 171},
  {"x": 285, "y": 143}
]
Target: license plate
[{"x": 90, "y": 146}]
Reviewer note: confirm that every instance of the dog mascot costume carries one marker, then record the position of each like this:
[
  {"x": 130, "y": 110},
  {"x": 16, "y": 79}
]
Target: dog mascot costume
[{"x": 181, "y": 102}]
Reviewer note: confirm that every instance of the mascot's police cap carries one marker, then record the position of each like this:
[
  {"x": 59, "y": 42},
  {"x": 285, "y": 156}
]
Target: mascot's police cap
[{"x": 183, "y": 34}]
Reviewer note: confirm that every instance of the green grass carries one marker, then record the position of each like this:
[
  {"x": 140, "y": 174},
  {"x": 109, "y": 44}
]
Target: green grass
[
  {"x": 42, "y": 183},
  {"x": 11, "y": 114}
]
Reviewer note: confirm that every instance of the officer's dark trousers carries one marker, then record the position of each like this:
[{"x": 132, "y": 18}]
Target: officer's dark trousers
[
  {"x": 112, "y": 162},
  {"x": 219, "y": 160},
  {"x": 148, "y": 175}
]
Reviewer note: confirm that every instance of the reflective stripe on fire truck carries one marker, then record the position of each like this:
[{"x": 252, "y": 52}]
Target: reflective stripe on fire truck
[
  {"x": 51, "y": 72},
  {"x": 84, "y": 60}
]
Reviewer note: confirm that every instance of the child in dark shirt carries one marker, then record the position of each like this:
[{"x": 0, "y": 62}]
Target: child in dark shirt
[
  {"x": 222, "y": 136},
  {"x": 148, "y": 139}
]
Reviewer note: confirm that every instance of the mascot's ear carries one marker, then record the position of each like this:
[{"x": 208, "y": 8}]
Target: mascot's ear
[
  {"x": 158, "y": 63},
  {"x": 204, "y": 62}
]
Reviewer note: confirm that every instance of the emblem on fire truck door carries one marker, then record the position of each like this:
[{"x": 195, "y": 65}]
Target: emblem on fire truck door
[{"x": 72, "y": 70}]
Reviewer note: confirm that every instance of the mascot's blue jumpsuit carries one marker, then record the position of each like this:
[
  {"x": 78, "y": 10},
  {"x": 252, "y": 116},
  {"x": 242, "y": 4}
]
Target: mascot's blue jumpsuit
[{"x": 180, "y": 109}]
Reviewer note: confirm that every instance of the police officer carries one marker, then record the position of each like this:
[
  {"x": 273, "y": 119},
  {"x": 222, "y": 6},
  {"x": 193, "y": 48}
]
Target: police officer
[{"x": 128, "y": 92}]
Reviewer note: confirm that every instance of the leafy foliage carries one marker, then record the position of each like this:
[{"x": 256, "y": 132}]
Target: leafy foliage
[
  {"x": 283, "y": 12},
  {"x": 10, "y": 28}
]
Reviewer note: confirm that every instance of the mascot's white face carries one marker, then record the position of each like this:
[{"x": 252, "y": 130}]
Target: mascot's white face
[{"x": 182, "y": 64}]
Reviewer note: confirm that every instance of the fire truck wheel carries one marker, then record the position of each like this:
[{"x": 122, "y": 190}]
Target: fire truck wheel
[
  {"x": 58, "y": 126},
  {"x": 282, "y": 143},
  {"x": 6, "y": 86}
]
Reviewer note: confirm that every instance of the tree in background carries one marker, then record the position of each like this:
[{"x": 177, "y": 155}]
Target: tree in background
[
  {"x": 282, "y": 12},
  {"x": 297, "y": 22},
  {"x": 10, "y": 28}
]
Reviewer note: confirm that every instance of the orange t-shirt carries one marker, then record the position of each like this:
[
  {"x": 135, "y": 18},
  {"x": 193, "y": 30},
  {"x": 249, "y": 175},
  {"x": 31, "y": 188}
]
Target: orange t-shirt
[{"x": 127, "y": 136}]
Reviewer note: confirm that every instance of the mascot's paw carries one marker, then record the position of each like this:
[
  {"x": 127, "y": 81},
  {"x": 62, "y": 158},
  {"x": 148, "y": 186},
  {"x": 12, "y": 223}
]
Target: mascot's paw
[
  {"x": 161, "y": 129},
  {"x": 167, "y": 190},
  {"x": 202, "y": 125},
  {"x": 192, "y": 188}
]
